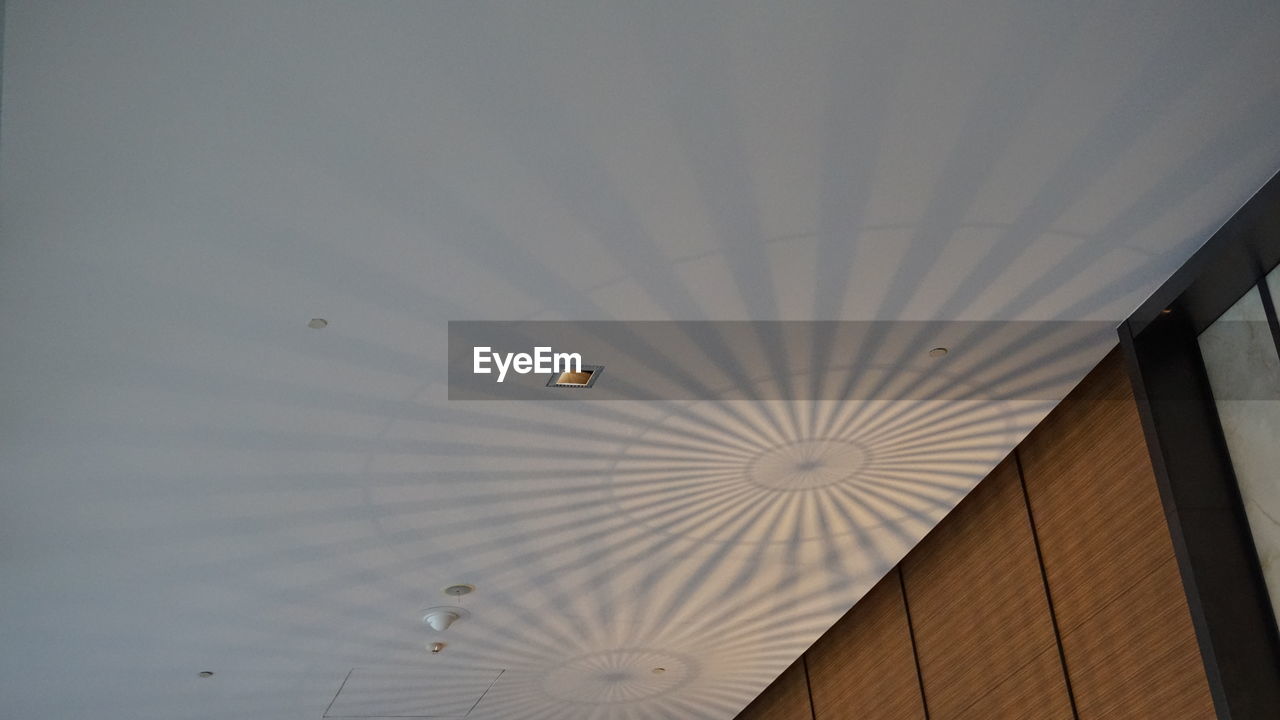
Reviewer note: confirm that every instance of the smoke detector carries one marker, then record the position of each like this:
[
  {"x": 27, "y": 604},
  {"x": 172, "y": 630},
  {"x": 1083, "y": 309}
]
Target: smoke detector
[{"x": 440, "y": 618}]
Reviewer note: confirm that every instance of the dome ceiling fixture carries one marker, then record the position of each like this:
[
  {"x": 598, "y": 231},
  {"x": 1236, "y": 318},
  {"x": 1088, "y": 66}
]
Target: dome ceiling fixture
[{"x": 443, "y": 617}]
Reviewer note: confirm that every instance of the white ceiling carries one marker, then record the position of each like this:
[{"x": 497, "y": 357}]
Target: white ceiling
[{"x": 193, "y": 479}]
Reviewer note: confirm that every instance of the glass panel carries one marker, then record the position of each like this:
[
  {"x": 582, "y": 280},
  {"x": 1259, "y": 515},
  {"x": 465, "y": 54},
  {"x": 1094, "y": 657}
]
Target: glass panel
[{"x": 1244, "y": 372}]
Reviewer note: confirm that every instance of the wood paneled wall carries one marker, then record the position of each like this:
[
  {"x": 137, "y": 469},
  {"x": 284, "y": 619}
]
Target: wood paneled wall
[
  {"x": 984, "y": 636},
  {"x": 1127, "y": 637},
  {"x": 875, "y": 638},
  {"x": 1050, "y": 592},
  {"x": 787, "y": 698}
]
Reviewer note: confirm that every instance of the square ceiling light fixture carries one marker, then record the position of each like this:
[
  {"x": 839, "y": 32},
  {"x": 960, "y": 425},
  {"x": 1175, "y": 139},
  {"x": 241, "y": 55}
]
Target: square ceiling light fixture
[{"x": 584, "y": 378}]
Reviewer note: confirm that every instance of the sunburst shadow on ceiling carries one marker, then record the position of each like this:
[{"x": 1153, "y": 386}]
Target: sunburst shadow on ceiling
[{"x": 287, "y": 502}]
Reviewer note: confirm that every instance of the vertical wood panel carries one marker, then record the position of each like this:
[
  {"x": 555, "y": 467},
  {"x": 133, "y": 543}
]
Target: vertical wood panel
[
  {"x": 1126, "y": 631},
  {"x": 1032, "y": 692},
  {"x": 983, "y": 632},
  {"x": 863, "y": 668},
  {"x": 787, "y": 698}
]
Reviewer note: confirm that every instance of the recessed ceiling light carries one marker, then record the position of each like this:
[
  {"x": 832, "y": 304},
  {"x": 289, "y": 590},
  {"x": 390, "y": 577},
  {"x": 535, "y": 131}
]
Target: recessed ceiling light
[
  {"x": 318, "y": 323},
  {"x": 938, "y": 352},
  {"x": 206, "y": 674},
  {"x": 658, "y": 670},
  {"x": 584, "y": 378},
  {"x": 460, "y": 589}
]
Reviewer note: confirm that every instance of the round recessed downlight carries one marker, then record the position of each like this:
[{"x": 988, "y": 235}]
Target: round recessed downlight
[
  {"x": 459, "y": 590},
  {"x": 658, "y": 670},
  {"x": 938, "y": 352},
  {"x": 318, "y": 323},
  {"x": 206, "y": 674}
]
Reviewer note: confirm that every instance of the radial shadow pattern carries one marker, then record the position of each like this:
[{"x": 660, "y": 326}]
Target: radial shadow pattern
[
  {"x": 195, "y": 479},
  {"x": 710, "y": 539},
  {"x": 697, "y": 475},
  {"x": 617, "y": 677}
]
